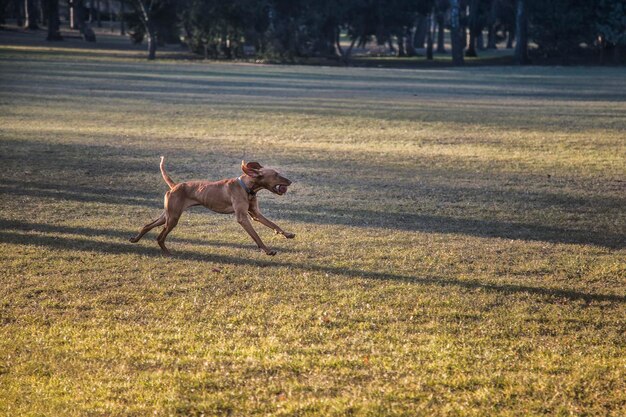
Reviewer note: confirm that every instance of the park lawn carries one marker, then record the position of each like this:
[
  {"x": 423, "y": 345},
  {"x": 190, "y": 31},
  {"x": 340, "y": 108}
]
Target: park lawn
[{"x": 460, "y": 240}]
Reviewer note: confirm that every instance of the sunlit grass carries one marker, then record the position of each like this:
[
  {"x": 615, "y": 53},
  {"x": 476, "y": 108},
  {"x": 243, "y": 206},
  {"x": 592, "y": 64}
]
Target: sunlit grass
[{"x": 459, "y": 249}]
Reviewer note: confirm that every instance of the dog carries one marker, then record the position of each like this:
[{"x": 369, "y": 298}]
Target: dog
[{"x": 234, "y": 195}]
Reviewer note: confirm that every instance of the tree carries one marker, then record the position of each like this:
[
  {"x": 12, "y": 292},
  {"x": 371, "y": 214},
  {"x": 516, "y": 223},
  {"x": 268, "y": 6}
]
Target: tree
[
  {"x": 474, "y": 27},
  {"x": 149, "y": 13},
  {"x": 455, "y": 33},
  {"x": 420, "y": 31},
  {"x": 491, "y": 24},
  {"x": 31, "y": 15},
  {"x": 559, "y": 27},
  {"x": 18, "y": 6},
  {"x": 216, "y": 28},
  {"x": 441, "y": 6},
  {"x": 98, "y": 18},
  {"x": 122, "y": 17},
  {"x": 3, "y": 10},
  {"x": 286, "y": 29},
  {"x": 429, "y": 38},
  {"x": 521, "y": 33},
  {"x": 54, "y": 33},
  {"x": 109, "y": 9},
  {"x": 502, "y": 15},
  {"x": 611, "y": 26},
  {"x": 144, "y": 12},
  {"x": 77, "y": 20}
]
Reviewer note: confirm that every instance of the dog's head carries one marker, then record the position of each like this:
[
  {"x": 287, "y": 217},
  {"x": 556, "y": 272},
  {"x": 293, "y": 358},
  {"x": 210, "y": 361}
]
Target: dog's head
[{"x": 267, "y": 178}]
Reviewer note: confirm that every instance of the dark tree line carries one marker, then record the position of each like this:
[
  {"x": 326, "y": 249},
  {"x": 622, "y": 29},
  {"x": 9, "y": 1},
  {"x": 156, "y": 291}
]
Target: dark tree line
[{"x": 288, "y": 29}]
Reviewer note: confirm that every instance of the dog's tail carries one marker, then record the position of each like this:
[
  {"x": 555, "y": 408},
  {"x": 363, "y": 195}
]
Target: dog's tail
[{"x": 166, "y": 177}]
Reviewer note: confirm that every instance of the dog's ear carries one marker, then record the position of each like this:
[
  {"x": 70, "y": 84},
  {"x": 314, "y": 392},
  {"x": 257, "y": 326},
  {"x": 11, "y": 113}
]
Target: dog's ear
[{"x": 251, "y": 168}]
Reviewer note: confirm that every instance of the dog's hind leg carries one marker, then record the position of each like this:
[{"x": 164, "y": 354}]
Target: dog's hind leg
[
  {"x": 158, "y": 222},
  {"x": 169, "y": 226},
  {"x": 175, "y": 204}
]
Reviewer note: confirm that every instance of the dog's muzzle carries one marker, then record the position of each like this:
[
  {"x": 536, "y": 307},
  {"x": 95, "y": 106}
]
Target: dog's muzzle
[{"x": 280, "y": 189}]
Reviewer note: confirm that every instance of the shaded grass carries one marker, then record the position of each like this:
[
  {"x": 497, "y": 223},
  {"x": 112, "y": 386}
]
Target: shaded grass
[{"x": 459, "y": 250}]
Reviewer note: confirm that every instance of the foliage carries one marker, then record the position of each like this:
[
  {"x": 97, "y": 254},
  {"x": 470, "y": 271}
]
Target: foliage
[
  {"x": 559, "y": 27},
  {"x": 611, "y": 21},
  {"x": 295, "y": 28},
  {"x": 163, "y": 14},
  {"x": 288, "y": 29},
  {"x": 216, "y": 28},
  {"x": 135, "y": 27},
  {"x": 4, "y": 5}
]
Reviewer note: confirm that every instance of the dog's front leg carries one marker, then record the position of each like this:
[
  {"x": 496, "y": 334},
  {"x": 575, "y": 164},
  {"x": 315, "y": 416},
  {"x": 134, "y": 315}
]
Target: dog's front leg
[
  {"x": 244, "y": 221},
  {"x": 256, "y": 215}
]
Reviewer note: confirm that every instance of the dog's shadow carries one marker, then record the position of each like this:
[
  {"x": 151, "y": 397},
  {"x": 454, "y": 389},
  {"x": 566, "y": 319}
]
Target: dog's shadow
[
  {"x": 113, "y": 247},
  {"x": 16, "y": 235}
]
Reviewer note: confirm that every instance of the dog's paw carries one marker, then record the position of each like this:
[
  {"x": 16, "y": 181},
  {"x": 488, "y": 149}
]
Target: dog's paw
[
  {"x": 289, "y": 235},
  {"x": 133, "y": 240},
  {"x": 270, "y": 252}
]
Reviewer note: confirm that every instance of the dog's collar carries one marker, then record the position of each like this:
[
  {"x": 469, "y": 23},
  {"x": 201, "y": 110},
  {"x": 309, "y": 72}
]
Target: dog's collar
[{"x": 245, "y": 187}]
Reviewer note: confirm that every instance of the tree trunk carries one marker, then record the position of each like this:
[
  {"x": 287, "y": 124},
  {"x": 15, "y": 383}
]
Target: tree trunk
[
  {"x": 472, "y": 23},
  {"x": 79, "y": 21},
  {"x": 73, "y": 6},
  {"x": 480, "y": 41},
  {"x": 409, "y": 46},
  {"x": 152, "y": 40},
  {"x": 338, "y": 48},
  {"x": 602, "y": 44},
  {"x": 521, "y": 28},
  {"x": 53, "y": 21},
  {"x": 328, "y": 40},
  {"x": 30, "y": 15},
  {"x": 455, "y": 33},
  {"x": 401, "y": 51},
  {"x": 420, "y": 32},
  {"x": 110, "y": 10},
  {"x": 618, "y": 54},
  {"x": 463, "y": 23},
  {"x": 429, "y": 39},
  {"x": 441, "y": 47},
  {"x": 19, "y": 12},
  {"x": 122, "y": 18},
  {"x": 491, "y": 38},
  {"x": 491, "y": 41},
  {"x": 345, "y": 55},
  {"x": 148, "y": 24},
  {"x": 98, "y": 20},
  {"x": 42, "y": 12}
]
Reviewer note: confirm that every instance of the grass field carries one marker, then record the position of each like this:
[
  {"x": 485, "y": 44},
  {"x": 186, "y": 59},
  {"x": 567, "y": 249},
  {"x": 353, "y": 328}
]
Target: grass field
[{"x": 460, "y": 240}]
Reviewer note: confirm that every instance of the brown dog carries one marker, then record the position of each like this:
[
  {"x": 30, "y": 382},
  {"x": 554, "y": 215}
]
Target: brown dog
[{"x": 235, "y": 195}]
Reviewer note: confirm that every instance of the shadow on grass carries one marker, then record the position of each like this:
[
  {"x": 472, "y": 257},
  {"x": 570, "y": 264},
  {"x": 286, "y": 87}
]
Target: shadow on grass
[
  {"x": 116, "y": 234},
  {"x": 105, "y": 162},
  {"x": 193, "y": 85},
  {"x": 75, "y": 244},
  {"x": 325, "y": 214},
  {"x": 83, "y": 194},
  {"x": 429, "y": 223},
  {"x": 108, "y": 46}
]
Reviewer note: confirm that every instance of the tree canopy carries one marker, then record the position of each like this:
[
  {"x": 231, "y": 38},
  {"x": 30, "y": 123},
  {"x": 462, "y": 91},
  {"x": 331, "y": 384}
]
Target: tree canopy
[{"x": 287, "y": 29}]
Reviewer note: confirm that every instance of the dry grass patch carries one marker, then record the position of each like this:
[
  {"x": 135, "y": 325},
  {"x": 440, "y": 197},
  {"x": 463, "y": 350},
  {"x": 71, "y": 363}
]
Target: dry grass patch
[{"x": 459, "y": 250}]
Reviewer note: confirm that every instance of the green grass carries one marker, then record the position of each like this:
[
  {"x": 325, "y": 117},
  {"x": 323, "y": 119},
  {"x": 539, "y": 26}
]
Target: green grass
[{"x": 460, "y": 240}]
